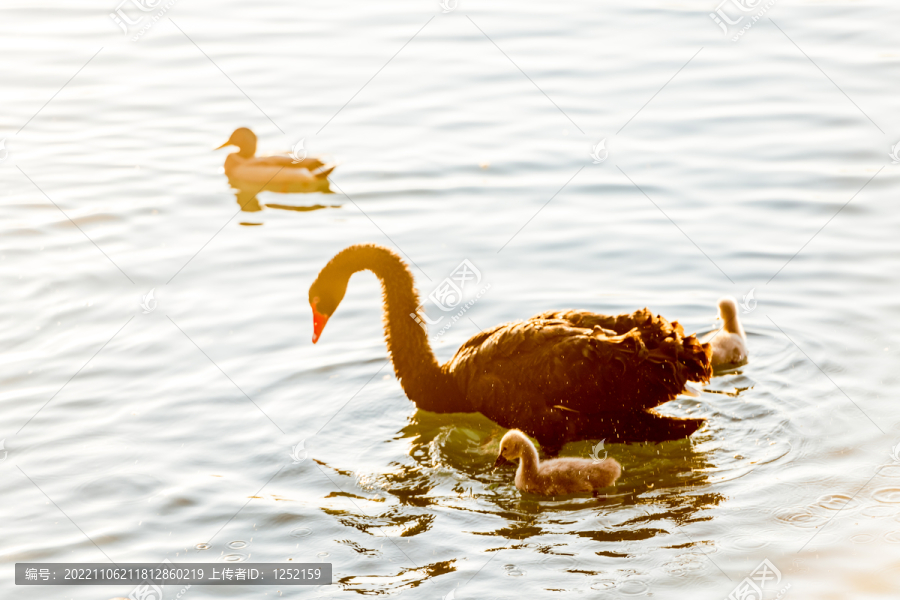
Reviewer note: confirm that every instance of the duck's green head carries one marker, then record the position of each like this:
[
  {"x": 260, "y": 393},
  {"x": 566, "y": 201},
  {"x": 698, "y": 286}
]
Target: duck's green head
[{"x": 244, "y": 139}]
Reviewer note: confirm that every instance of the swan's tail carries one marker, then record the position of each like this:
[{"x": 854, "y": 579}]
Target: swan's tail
[
  {"x": 691, "y": 389},
  {"x": 672, "y": 358},
  {"x": 689, "y": 358}
]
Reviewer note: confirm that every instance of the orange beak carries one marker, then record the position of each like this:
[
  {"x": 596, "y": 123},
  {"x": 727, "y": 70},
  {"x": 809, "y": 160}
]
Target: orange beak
[
  {"x": 228, "y": 143},
  {"x": 319, "y": 321}
]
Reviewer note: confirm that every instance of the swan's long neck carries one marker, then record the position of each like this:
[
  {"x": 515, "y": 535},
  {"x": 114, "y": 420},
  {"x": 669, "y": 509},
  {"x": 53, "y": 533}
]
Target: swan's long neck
[
  {"x": 728, "y": 310},
  {"x": 731, "y": 323},
  {"x": 528, "y": 462},
  {"x": 415, "y": 365}
]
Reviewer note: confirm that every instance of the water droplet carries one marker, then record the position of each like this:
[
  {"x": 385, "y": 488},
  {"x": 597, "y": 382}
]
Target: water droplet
[
  {"x": 301, "y": 532},
  {"x": 513, "y": 571},
  {"x": 634, "y": 587},
  {"x": 892, "y": 537},
  {"x": 748, "y": 542},
  {"x": 237, "y": 544},
  {"x": 877, "y": 511},
  {"x": 558, "y": 562},
  {"x": 603, "y": 584},
  {"x": 888, "y": 495},
  {"x": 799, "y": 516},
  {"x": 686, "y": 564},
  {"x": 862, "y": 538},
  {"x": 836, "y": 502},
  {"x": 202, "y": 546},
  {"x": 234, "y": 558},
  {"x": 706, "y": 547},
  {"x": 889, "y": 471}
]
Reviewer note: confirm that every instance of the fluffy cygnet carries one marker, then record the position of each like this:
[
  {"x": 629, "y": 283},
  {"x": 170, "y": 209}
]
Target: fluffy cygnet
[
  {"x": 729, "y": 346},
  {"x": 556, "y": 477}
]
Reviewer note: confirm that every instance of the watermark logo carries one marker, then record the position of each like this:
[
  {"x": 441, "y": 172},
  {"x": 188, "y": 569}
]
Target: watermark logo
[
  {"x": 4, "y": 153},
  {"x": 150, "y": 591},
  {"x": 595, "y": 451},
  {"x": 129, "y": 22},
  {"x": 146, "y": 591},
  {"x": 449, "y": 5},
  {"x": 895, "y": 452},
  {"x": 121, "y": 19},
  {"x": 749, "y": 302},
  {"x": 894, "y": 154},
  {"x": 3, "y": 450},
  {"x": 299, "y": 453},
  {"x": 751, "y": 588},
  {"x": 148, "y": 302},
  {"x": 298, "y": 152},
  {"x": 448, "y": 295},
  {"x": 454, "y": 292},
  {"x": 730, "y": 24},
  {"x": 599, "y": 152}
]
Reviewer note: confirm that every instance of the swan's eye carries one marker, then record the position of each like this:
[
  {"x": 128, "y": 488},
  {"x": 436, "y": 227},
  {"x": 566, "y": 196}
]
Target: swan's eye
[{"x": 316, "y": 300}]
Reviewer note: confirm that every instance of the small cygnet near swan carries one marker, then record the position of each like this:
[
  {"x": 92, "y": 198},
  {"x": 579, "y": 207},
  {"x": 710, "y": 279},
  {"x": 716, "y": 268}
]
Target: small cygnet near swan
[
  {"x": 558, "y": 476},
  {"x": 729, "y": 345}
]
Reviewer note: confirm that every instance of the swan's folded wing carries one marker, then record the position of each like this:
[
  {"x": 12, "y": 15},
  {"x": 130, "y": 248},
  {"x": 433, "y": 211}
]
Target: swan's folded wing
[
  {"x": 621, "y": 324},
  {"x": 665, "y": 340},
  {"x": 581, "y": 368},
  {"x": 515, "y": 367}
]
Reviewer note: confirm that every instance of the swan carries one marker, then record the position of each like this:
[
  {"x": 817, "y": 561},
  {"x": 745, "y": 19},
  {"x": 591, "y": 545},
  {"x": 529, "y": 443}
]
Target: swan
[
  {"x": 729, "y": 344},
  {"x": 277, "y": 173},
  {"x": 556, "y": 477},
  {"x": 559, "y": 376}
]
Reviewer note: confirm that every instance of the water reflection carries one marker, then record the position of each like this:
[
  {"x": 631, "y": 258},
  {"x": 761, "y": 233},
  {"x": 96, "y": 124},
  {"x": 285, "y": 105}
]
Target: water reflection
[
  {"x": 248, "y": 202},
  {"x": 444, "y": 462},
  {"x": 405, "y": 579},
  {"x": 247, "y": 198}
]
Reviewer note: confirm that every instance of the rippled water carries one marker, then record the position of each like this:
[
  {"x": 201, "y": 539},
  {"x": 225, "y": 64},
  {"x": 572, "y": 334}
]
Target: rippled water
[{"x": 211, "y": 429}]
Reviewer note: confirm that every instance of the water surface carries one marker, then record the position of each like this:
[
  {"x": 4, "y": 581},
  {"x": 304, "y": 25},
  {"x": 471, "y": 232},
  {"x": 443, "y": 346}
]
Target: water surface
[{"x": 762, "y": 165}]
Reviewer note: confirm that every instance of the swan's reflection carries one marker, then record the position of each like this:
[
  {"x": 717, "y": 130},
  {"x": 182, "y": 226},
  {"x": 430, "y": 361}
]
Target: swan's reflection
[{"x": 443, "y": 462}]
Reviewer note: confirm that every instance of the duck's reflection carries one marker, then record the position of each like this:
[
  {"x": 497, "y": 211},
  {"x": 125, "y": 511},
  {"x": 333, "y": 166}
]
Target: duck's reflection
[{"x": 248, "y": 201}]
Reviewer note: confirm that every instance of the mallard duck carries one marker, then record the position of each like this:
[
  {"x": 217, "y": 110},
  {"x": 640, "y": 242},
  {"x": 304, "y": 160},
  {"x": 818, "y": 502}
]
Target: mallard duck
[
  {"x": 275, "y": 173},
  {"x": 558, "y": 476},
  {"x": 729, "y": 345}
]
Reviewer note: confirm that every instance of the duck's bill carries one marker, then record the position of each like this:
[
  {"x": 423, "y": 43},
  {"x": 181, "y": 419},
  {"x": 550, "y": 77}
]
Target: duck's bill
[
  {"x": 228, "y": 143},
  {"x": 500, "y": 461}
]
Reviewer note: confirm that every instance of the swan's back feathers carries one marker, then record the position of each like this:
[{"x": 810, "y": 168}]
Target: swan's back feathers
[
  {"x": 647, "y": 337},
  {"x": 581, "y": 361}
]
